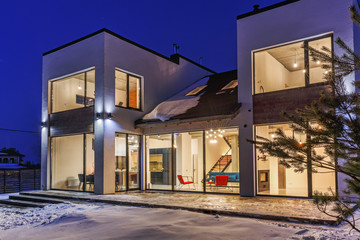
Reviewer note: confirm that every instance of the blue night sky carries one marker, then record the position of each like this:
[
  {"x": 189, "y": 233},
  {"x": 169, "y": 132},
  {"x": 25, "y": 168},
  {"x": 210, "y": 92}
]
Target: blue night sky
[{"x": 29, "y": 28}]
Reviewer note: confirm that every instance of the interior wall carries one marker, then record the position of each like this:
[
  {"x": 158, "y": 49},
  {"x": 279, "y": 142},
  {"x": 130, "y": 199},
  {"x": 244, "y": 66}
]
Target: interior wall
[
  {"x": 66, "y": 161},
  {"x": 214, "y": 151}
]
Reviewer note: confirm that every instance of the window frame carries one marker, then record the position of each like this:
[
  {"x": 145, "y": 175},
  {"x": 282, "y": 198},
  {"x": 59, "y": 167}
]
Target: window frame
[
  {"x": 309, "y": 173},
  {"x": 306, "y": 61},
  {"x": 127, "y": 160},
  {"x": 128, "y": 75},
  {"x": 51, "y": 90}
]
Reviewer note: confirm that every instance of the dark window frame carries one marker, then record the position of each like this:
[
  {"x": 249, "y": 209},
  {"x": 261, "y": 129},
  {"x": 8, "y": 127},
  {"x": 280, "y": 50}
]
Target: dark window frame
[
  {"x": 128, "y": 75},
  {"x": 85, "y": 105},
  {"x": 306, "y": 62},
  {"x": 83, "y": 189},
  {"x": 308, "y": 177},
  {"x": 127, "y": 161}
]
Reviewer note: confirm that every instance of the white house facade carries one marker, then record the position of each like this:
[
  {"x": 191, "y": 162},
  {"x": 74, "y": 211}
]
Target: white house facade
[{"x": 117, "y": 116}]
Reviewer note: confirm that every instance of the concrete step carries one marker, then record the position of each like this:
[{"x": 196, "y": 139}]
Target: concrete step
[
  {"x": 35, "y": 199},
  {"x": 20, "y": 203}
]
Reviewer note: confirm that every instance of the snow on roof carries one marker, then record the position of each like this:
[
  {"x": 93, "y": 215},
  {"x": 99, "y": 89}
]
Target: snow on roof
[{"x": 177, "y": 104}]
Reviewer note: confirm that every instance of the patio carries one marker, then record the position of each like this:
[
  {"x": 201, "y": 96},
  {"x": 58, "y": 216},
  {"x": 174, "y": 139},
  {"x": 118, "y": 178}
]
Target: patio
[{"x": 270, "y": 208}]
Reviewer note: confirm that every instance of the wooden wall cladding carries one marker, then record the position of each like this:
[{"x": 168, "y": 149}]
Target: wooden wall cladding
[
  {"x": 72, "y": 122},
  {"x": 267, "y": 107}
]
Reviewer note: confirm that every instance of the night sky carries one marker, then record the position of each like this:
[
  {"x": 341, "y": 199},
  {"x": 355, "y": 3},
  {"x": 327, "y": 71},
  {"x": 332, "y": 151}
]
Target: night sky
[{"x": 205, "y": 28}]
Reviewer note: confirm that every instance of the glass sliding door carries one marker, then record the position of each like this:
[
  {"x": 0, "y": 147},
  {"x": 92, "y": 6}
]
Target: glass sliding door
[
  {"x": 72, "y": 162},
  {"x": 120, "y": 162},
  {"x": 159, "y": 161},
  {"x": 189, "y": 161},
  {"x": 222, "y": 160},
  {"x": 273, "y": 178},
  {"x": 127, "y": 156}
]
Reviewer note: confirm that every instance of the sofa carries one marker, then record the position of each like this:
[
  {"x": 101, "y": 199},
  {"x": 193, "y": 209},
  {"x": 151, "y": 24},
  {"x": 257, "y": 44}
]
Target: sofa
[{"x": 233, "y": 176}]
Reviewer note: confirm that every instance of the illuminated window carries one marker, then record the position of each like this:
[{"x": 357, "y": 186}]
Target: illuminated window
[
  {"x": 231, "y": 85},
  {"x": 196, "y": 90},
  {"x": 127, "y": 90},
  {"x": 289, "y": 66},
  {"x": 76, "y": 91}
]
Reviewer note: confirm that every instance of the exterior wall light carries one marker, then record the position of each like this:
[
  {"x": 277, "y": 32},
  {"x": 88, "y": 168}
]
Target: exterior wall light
[
  {"x": 98, "y": 116},
  {"x": 109, "y": 116},
  {"x": 43, "y": 124}
]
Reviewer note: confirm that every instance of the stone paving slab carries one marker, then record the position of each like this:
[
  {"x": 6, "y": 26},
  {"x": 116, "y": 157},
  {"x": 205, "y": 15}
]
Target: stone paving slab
[{"x": 270, "y": 208}]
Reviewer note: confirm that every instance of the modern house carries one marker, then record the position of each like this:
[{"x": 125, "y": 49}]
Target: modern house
[
  {"x": 118, "y": 116},
  {"x": 11, "y": 160}
]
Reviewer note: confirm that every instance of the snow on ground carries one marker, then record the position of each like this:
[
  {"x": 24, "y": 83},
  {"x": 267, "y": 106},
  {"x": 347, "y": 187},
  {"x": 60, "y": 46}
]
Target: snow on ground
[{"x": 105, "y": 221}]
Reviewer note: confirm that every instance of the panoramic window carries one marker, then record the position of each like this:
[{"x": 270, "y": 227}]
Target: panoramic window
[
  {"x": 222, "y": 160},
  {"x": 72, "y": 162},
  {"x": 127, "y": 90},
  {"x": 72, "y": 92},
  {"x": 159, "y": 161},
  {"x": 189, "y": 161},
  {"x": 273, "y": 178},
  {"x": 196, "y": 91},
  {"x": 286, "y": 67}
]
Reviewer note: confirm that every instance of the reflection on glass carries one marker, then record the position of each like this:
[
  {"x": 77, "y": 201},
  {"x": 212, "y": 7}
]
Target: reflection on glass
[
  {"x": 272, "y": 177},
  {"x": 189, "y": 161},
  {"x": 222, "y": 160},
  {"x": 316, "y": 71},
  {"x": 279, "y": 68},
  {"x": 90, "y": 88},
  {"x": 159, "y": 164}
]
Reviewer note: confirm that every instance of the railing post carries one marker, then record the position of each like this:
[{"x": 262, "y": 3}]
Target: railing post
[
  {"x": 20, "y": 182},
  {"x": 4, "y": 181}
]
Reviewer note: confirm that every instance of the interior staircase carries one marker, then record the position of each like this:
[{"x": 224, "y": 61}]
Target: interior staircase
[
  {"x": 25, "y": 200},
  {"x": 224, "y": 161}
]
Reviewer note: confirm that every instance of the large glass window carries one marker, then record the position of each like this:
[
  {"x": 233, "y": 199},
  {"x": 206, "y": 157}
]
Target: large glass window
[
  {"x": 189, "y": 161},
  {"x": 222, "y": 160},
  {"x": 287, "y": 66},
  {"x": 159, "y": 161},
  {"x": 127, "y": 155},
  {"x": 127, "y": 90},
  {"x": 72, "y": 92},
  {"x": 273, "y": 178},
  {"x": 69, "y": 156}
]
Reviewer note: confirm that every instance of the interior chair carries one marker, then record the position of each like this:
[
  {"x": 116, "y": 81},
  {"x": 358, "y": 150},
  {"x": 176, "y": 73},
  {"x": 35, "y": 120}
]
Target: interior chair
[
  {"x": 222, "y": 181},
  {"x": 90, "y": 181},
  {"x": 183, "y": 183}
]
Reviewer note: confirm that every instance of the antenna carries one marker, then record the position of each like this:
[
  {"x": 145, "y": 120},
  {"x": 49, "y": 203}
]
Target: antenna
[{"x": 176, "y": 48}]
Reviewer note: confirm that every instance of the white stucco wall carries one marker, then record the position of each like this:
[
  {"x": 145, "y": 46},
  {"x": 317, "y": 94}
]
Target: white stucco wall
[{"x": 160, "y": 79}]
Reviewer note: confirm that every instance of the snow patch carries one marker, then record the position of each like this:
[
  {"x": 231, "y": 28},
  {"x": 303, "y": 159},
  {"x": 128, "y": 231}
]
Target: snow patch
[{"x": 177, "y": 104}]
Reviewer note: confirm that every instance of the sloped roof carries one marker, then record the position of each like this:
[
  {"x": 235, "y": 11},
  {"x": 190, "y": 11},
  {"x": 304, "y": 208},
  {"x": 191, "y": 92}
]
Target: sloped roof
[{"x": 210, "y": 101}]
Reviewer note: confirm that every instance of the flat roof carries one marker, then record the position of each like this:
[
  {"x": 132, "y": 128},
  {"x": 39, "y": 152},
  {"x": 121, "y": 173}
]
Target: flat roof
[
  {"x": 260, "y": 10},
  {"x": 129, "y": 41}
]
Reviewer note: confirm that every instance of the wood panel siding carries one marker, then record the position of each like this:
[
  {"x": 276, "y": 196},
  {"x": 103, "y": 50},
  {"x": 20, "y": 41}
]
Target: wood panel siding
[
  {"x": 267, "y": 107},
  {"x": 72, "y": 122}
]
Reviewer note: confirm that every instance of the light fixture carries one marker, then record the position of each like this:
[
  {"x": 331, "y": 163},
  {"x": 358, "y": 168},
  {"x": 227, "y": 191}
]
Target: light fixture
[
  {"x": 318, "y": 62},
  {"x": 326, "y": 72},
  {"x": 98, "y": 116},
  {"x": 79, "y": 87},
  {"x": 109, "y": 116},
  {"x": 272, "y": 135},
  {"x": 304, "y": 71},
  {"x": 43, "y": 124},
  {"x": 295, "y": 64},
  {"x": 212, "y": 135}
]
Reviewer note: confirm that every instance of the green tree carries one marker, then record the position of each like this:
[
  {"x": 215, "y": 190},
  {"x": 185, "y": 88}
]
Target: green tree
[{"x": 332, "y": 123}]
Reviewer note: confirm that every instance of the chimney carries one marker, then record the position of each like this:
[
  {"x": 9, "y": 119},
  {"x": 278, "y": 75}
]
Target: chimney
[
  {"x": 256, "y": 7},
  {"x": 176, "y": 48}
]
